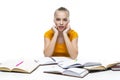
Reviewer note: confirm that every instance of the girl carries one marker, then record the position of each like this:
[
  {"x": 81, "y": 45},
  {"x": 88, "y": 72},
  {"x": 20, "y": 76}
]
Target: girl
[{"x": 61, "y": 40}]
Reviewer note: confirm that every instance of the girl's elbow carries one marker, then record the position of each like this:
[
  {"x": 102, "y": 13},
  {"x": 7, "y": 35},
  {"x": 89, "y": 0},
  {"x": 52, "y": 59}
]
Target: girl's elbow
[
  {"x": 75, "y": 55},
  {"x": 46, "y": 54}
]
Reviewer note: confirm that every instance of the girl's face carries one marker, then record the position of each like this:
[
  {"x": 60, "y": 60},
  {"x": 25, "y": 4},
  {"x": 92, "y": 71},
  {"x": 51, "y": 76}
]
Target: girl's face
[{"x": 61, "y": 20}]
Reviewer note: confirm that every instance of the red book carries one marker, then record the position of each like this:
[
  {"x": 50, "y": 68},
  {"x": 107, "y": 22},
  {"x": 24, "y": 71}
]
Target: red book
[{"x": 116, "y": 67}]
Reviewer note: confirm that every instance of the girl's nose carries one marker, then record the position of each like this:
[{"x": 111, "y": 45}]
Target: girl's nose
[{"x": 61, "y": 22}]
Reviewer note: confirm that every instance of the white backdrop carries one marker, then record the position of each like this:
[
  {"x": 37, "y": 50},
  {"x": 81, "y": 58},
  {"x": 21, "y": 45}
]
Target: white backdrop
[{"x": 23, "y": 23}]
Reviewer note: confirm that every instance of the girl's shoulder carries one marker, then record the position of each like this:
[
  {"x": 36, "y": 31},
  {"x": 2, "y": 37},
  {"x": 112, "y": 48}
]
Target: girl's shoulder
[
  {"x": 49, "y": 33},
  {"x": 72, "y": 34}
]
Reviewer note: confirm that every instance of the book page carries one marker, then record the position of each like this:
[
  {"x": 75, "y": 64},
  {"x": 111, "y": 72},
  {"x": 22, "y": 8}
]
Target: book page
[
  {"x": 53, "y": 69},
  {"x": 87, "y": 64},
  {"x": 8, "y": 65},
  {"x": 77, "y": 63},
  {"x": 45, "y": 61},
  {"x": 61, "y": 59},
  {"x": 69, "y": 64},
  {"x": 77, "y": 72},
  {"x": 26, "y": 66},
  {"x": 95, "y": 68},
  {"x": 109, "y": 63},
  {"x": 104, "y": 65}
]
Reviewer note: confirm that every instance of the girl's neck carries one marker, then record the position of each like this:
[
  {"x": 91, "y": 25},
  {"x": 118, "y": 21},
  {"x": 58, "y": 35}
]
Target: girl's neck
[
  {"x": 60, "y": 34},
  {"x": 60, "y": 38}
]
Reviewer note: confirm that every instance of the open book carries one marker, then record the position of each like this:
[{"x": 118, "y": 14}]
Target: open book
[
  {"x": 61, "y": 59},
  {"x": 51, "y": 60},
  {"x": 45, "y": 61},
  {"x": 103, "y": 67},
  {"x": 23, "y": 66},
  {"x": 75, "y": 72},
  {"x": 77, "y": 64}
]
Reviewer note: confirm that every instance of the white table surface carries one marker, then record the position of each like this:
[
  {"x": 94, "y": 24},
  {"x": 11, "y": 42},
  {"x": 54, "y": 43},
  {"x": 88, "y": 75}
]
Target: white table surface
[{"x": 39, "y": 75}]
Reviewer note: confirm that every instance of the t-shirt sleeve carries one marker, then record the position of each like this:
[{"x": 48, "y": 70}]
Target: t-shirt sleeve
[
  {"x": 73, "y": 34},
  {"x": 48, "y": 34}
]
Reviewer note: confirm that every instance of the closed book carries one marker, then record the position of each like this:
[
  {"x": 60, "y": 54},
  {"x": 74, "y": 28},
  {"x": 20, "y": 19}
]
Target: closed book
[{"x": 116, "y": 67}]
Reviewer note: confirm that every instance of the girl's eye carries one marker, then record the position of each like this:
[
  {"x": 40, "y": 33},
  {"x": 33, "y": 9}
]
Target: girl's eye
[
  {"x": 65, "y": 19},
  {"x": 57, "y": 19}
]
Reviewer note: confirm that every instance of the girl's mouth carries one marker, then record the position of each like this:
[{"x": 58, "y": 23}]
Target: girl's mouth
[{"x": 61, "y": 28}]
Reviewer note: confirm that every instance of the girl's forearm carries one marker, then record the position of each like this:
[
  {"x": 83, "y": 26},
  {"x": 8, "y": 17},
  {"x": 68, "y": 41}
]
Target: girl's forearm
[
  {"x": 50, "y": 48},
  {"x": 72, "y": 50}
]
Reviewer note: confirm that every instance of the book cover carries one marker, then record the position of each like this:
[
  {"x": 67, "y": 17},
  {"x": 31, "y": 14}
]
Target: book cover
[{"x": 116, "y": 67}]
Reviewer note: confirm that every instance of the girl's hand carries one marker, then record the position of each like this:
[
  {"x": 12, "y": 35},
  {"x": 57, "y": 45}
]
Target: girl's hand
[
  {"x": 55, "y": 29},
  {"x": 67, "y": 29}
]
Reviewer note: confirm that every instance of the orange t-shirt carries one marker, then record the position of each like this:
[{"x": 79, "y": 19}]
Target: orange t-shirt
[{"x": 60, "y": 48}]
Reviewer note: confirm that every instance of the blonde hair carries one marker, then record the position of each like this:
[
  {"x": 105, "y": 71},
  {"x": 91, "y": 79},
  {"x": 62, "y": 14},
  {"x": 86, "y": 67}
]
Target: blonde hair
[{"x": 62, "y": 9}]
